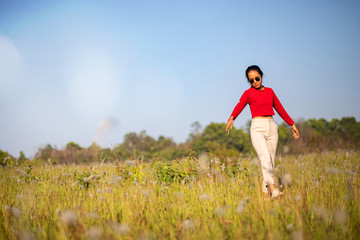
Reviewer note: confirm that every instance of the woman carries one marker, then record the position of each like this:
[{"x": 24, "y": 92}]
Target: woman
[{"x": 263, "y": 131}]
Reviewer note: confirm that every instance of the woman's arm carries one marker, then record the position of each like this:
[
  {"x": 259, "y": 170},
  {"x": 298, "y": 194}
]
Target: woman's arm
[
  {"x": 281, "y": 111},
  {"x": 237, "y": 110},
  {"x": 283, "y": 114},
  {"x": 239, "y": 107}
]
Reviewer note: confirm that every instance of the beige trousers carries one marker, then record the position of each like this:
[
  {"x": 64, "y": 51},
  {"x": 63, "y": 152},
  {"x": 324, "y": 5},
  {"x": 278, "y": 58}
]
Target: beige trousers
[{"x": 264, "y": 138}]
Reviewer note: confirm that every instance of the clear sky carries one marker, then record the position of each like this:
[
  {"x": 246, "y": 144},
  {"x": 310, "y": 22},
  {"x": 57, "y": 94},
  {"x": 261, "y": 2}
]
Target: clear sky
[{"x": 87, "y": 71}]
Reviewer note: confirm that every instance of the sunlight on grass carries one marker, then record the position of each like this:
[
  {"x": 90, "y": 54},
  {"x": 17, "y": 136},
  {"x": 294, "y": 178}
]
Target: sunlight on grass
[{"x": 183, "y": 199}]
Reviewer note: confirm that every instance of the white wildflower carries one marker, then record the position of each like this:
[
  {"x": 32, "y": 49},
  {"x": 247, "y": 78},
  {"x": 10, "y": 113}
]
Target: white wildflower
[
  {"x": 188, "y": 225},
  {"x": 255, "y": 161},
  {"x": 122, "y": 229},
  {"x": 289, "y": 227},
  {"x": 68, "y": 217},
  {"x": 340, "y": 216},
  {"x": 241, "y": 206},
  {"x": 16, "y": 212},
  {"x": 320, "y": 212},
  {"x": 145, "y": 236},
  {"x": 333, "y": 170},
  {"x": 298, "y": 235},
  {"x": 115, "y": 180},
  {"x": 286, "y": 149},
  {"x": 221, "y": 211},
  {"x": 272, "y": 212},
  {"x": 145, "y": 193},
  {"x": 203, "y": 162},
  {"x": 222, "y": 167},
  {"x": 179, "y": 195},
  {"x": 19, "y": 196},
  {"x": 286, "y": 179},
  {"x": 93, "y": 233},
  {"x": 130, "y": 163},
  {"x": 26, "y": 235},
  {"x": 205, "y": 197},
  {"x": 91, "y": 215}
]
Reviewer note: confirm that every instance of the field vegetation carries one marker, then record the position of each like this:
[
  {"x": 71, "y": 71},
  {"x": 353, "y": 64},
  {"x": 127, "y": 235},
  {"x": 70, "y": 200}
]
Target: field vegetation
[
  {"x": 189, "y": 198},
  {"x": 206, "y": 188}
]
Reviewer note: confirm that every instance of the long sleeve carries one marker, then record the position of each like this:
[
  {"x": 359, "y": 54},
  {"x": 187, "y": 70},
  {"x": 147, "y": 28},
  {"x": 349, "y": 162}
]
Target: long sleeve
[
  {"x": 281, "y": 111},
  {"x": 240, "y": 106}
]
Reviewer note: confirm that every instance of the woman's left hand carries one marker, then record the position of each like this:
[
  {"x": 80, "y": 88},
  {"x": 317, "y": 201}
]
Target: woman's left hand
[
  {"x": 229, "y": 124},
  {"x": 295, "y": 131}
]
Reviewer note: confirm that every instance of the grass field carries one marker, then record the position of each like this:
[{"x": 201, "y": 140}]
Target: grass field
[{"x": 190, "y": 198}]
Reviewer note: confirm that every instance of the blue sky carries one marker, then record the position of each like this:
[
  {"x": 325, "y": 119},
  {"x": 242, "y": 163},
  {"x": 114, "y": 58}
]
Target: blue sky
[{"x": 87, "y": 71}]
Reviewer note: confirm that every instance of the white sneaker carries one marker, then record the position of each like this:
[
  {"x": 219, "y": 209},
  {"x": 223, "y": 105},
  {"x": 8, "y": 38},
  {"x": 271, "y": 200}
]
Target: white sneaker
[{"x": 276, "y": 193}]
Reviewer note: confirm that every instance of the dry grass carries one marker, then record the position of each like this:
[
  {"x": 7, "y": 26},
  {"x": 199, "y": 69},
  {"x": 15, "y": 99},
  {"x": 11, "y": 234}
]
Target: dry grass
[{"x": 206, "y": 199}]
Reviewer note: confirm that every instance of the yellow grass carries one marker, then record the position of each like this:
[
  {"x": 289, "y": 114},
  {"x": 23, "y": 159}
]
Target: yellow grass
[{"x": 205, "y": 199}]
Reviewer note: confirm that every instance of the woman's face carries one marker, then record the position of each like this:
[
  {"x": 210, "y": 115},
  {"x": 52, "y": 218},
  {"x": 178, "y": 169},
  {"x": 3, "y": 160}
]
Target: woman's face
[{"x": 253, "y": 76}]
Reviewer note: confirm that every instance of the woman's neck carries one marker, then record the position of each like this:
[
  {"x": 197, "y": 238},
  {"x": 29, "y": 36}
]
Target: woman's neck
[{"x": 260, "y": 88}]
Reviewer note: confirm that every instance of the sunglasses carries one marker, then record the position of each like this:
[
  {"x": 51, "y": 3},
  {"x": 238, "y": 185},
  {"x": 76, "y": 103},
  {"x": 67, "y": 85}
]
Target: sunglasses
[{"x": 252, "y": 80}]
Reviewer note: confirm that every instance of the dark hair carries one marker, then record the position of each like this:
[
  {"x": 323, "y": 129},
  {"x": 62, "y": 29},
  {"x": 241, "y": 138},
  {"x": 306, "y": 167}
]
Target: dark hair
[{"x": 253, "y": 68}]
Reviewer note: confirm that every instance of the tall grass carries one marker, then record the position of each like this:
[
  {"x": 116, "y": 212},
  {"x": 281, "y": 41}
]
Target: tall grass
[{"x": 184, "y": 199}]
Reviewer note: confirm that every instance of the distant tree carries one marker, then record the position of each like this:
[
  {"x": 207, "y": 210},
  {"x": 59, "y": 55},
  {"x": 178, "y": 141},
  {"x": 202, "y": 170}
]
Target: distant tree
[
  {"x": 214, "y": 139},
  {"x": 316, "y": 135},
  {"x": 131, "y": 141},
  {"x": 349, "y": 127},
  {"x": 195, "y": 132},
  {"x": 72, "y": 146},
  {"x": 319, "y": 127},
  {"x": 45, "y": 153},
  {"x": 94, "y": 147},
  {"x": 22, "y": 156},
  {"x": 164, "y": 143},
  {"x": 93, "y": 152},
  {"x": 136, "y": 145},
  {"x": 334, "y": 125},
  {"x": 6, "y": 158}
]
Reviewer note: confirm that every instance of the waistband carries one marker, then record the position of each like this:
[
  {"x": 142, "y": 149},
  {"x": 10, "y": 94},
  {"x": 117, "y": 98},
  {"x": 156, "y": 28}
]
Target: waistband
[{"x": 262, "y": 120}]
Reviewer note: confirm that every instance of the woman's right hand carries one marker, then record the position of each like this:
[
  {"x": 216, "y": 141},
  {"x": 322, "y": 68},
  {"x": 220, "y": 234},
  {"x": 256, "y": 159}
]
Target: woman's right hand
[
  {"x": 229, "y": 124},
  {"x": 295, "y": 131}
]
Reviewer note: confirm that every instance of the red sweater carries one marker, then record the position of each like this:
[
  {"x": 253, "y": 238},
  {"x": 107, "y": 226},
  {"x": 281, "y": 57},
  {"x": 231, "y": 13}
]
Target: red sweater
[{"x": 261, "y": 104}]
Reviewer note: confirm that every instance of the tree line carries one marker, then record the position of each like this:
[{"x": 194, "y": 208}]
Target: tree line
[{"x": 316, "y": 135}]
